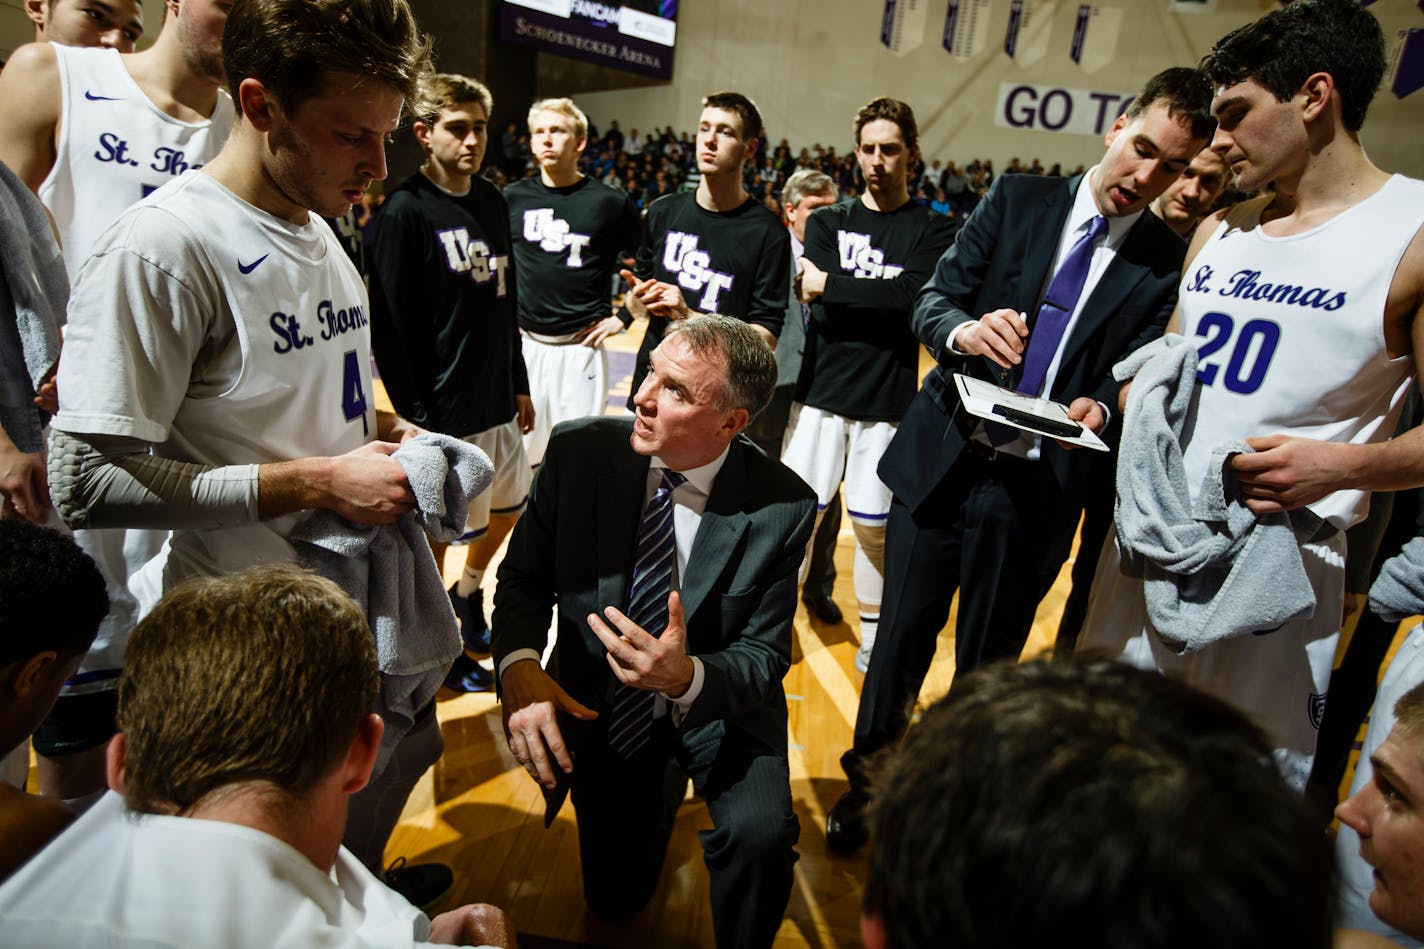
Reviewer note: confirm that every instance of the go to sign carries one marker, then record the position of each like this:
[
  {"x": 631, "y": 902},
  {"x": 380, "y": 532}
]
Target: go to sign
[{"x": 1057, "y": 109}]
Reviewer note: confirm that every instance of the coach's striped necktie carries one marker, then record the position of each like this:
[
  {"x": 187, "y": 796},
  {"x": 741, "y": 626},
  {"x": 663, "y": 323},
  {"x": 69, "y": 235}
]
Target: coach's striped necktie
[{"x": 631, "y": 717}]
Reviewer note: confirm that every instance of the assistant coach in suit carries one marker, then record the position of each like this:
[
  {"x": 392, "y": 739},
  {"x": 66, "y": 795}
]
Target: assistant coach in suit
[
  {"x": 991, "y": 510},
  {"x": 710, "y": 685}
]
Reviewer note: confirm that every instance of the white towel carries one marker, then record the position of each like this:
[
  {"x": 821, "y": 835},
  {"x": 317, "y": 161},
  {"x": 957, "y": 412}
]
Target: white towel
[
  {"x": 389, "y": 571},
  {"x": 1212, "y": 571}
]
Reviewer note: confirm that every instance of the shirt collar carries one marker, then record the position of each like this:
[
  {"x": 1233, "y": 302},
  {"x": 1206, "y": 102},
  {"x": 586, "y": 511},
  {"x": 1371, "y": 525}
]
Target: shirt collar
[
  {"x": 1085, "y": 208},
  {"x": 703, "y": 477}
]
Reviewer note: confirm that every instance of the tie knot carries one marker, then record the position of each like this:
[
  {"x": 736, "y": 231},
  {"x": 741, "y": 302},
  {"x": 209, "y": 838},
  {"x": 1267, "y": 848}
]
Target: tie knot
[
  {"x": 1097, "y": 227},
  {"x": 672, "y": 479}
]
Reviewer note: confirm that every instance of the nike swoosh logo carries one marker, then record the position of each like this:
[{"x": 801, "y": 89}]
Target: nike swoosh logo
[
  {"x": 248, "y": 268},
  {"x": 93, "y": 98}
]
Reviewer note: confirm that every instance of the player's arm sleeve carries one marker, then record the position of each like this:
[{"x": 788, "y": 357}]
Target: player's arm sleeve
[
  {"x": 742, "y": 678},
  {"x": 943, "y": 304},
  {"x": 99, "y": 481},
  {"x": 30, "y": 106},
  {"x": 643, "y": 265},
  {"x": 402, "y": 336},
  {"x": 898, "y": 292},
  {"x": 773, "y": 280}
]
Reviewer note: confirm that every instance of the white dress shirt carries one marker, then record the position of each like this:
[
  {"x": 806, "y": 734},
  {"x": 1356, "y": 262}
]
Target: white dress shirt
[{"x": 1085, "y": 208}]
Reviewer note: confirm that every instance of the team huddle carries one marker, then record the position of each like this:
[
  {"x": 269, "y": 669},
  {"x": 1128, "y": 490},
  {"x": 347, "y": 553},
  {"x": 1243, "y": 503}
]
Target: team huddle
[{"x": 213, "y": 419}]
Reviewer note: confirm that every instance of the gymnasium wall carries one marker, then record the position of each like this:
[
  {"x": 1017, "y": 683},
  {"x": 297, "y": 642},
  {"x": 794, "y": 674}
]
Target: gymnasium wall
[{"x": 809, "y": 64}]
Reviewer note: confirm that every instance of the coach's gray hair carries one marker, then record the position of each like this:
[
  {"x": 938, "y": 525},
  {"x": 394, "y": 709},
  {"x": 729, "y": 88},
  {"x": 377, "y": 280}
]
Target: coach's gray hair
[
  {"x": 748, "y": 363},
  {"x": 806, "y": 181}
]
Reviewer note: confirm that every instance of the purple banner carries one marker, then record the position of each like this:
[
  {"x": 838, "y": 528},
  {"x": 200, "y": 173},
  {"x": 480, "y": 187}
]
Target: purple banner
[
  {"x": 1409, "y": 71},
  {"x": 1011, "y": 36},
  {"x": 886, "y": 22},
  {"x": 591, "y": 37},
  {"x": 1080, "y": 30},
  {"x": 950, "y": 19}
]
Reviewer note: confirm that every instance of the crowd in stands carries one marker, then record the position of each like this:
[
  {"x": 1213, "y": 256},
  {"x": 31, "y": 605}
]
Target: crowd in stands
[{"x": 650, "y": 165}]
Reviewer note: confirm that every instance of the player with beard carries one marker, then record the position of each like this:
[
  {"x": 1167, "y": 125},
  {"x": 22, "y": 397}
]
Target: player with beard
[
  {"x": 569, "y": 233},
  {"x": 864, "y": 262},
  {"x": 444, "y": 332},
  {"x": 92, "y": 132}
]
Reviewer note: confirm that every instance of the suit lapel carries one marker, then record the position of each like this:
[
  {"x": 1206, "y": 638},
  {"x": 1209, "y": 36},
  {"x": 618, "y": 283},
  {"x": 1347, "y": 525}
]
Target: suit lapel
[
  {"x": 722, "y": 524},
  {"x": 619, "y": 502}
]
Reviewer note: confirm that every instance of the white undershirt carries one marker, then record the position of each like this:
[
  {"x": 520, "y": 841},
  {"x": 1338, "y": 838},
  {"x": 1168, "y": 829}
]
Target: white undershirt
[{"x": 689, "y": 501}]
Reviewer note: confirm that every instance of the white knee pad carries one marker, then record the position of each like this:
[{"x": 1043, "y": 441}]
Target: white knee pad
[{"x": 869, "y": 570}]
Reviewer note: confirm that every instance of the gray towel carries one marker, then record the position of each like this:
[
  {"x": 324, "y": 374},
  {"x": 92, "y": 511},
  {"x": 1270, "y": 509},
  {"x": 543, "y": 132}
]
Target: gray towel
[
  {"x": 1398, "y": 591},
  {"x": 34, "y": 291},
  {"x": 1210, "y": 572},
  {"x": 389, "y": 571}
]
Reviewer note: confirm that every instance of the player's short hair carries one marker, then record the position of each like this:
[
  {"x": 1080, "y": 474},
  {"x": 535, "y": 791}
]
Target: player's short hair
[
  {"x": 51, "y": 594},
  {"x": 448, "y": 90},
  {"x": 293, "y": 46},
  {"x": 1187, "y": 94},
  {"x": 806, "y": 181},
  {"x": 1409, "y": 714},
  {"x": 1088, "y": 798},
  {"x": 744, "y": 108},
  {"x": 893, "y": 110},
  {"x": 263, "y": 675},
  {"x": 578, "y": 122},
  {"x": 748, "y": 362},
  {"x": 1283, "y": 48}
]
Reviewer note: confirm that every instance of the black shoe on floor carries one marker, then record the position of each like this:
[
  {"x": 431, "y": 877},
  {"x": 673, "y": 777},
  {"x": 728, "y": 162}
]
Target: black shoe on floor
[
  {"x": 823, "y": 608},
  {"x": 846, "y": 831},
  {"x": 467, "y": 675},
  {"x": 470, "y": 611},
  {"x": 422, "y": 884}
]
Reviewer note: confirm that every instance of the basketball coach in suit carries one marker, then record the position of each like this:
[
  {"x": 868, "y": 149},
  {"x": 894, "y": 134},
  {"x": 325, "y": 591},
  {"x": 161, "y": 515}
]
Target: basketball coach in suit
[
  {"x": 1051, "y": 282},
  {"x": 670, "y": 546}
]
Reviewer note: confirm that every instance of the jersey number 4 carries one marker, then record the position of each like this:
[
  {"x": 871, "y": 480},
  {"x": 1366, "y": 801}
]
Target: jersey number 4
[
  {"x": 1250, "y": 356},
  {"x": 353, "y": 394}
]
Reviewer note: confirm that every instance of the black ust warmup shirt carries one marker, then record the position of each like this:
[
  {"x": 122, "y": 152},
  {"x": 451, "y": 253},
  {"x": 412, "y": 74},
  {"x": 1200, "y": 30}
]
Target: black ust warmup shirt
[
  {"x": 736, "y": 263},
  {"x": 442, "y": 307},
  {"x": 567, "y": 244},
  {"x": 862, "y": 359}
]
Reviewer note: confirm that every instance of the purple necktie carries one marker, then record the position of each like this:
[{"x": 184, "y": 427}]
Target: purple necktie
[
  {"x": 631, "y": 716},
  {"x": 1046, "y": 334}
]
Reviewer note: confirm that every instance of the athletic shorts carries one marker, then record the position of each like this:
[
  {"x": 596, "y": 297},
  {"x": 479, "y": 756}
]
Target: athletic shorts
[
  {"x": 509, "y": 491},
  {"x": 78, "y": 723},
  {"x": 824, "y": 448},
  {"x": 1278, "y": 678},
  {"x": 566, "y": 381}
]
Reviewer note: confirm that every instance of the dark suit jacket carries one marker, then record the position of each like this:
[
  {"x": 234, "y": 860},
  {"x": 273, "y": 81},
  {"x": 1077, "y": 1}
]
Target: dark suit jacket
[
  {"x": 574, "y": 548},
  {"x": 1001, "y": 258}
]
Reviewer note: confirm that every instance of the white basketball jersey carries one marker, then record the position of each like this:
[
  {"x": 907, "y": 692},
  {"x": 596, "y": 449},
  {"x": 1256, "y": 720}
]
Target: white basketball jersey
[
  {"x": 1290, "y": 332},
  {"x": 234, "y": 337},
  {"x": 115, "y": 147}
]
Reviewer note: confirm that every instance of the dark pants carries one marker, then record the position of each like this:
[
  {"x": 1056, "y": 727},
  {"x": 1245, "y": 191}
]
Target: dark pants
[
  {"x": 767, "y": 431},
  {"x": 626, "y": 811},
  {"x": 974, "y": 534}
]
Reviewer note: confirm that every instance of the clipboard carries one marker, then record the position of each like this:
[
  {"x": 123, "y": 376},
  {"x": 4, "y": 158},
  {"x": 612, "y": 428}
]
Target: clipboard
[{"x": 1039, "y": 416}]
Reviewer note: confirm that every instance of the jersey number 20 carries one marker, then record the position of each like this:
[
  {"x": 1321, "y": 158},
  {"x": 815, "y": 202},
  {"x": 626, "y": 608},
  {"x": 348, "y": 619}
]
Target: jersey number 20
[{"x": 1251, "y": 351}]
